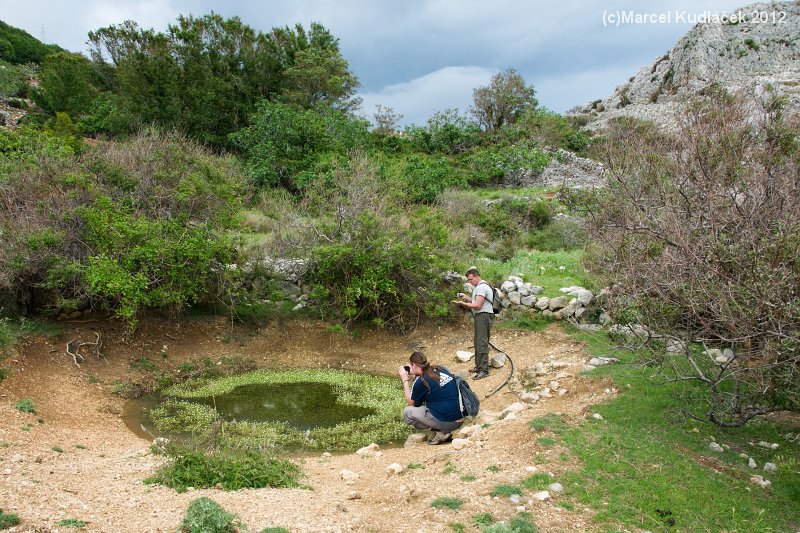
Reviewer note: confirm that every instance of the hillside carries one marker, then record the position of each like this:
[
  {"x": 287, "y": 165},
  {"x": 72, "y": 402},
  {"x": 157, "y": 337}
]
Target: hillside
[{"x": 757, "y": 51}]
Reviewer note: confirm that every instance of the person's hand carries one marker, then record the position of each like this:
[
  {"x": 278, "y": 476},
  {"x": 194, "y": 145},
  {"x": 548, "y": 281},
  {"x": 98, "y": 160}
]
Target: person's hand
[{"x": 403, "y": 373}]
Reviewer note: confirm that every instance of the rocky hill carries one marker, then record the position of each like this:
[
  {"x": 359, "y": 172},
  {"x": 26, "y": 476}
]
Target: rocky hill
[{"x": 750, "y": 51}]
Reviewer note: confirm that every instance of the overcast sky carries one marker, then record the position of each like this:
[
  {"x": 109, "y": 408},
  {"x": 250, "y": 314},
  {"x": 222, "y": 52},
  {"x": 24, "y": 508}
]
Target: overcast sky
[{"x": 423, "y": 56}]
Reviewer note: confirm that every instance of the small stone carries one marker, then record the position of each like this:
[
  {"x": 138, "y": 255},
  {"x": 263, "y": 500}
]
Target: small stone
[
  {"x": 758, "y": 480},
  {"x": 394, "y": 469},
  {"x": 556, "y": 487},
  {"x": 588, "y": 368},
  {"x": 460, "y": 444},
  {"x": 770, "y": 467},
  {"x": 520, "y": 508},
  {"x": 531, "y": 469},
  {"x": 348, "y": 476},
  {"x": 554, "y": 385},
  {"x": 714, "y": 447},
  {"x": 751, "y": 463},
  {"x": 542, "y": 496},
  {"x": 529, "y": 397},
  {"x": 597, "y": 416},
  {"x": 414, "y": 439},
  {"x": 463, "y": 356},
  {"x": 353, "y": 495},
  {"x": 368, "y": 450},
  {"x": 515, "y": 407},
  {"x": 7, "y": 472},
  {"x": 326, "y": 455},
  {"x": 514, "y": 498},
  {"x": 562, "y": 392},
  {"x": 18, "y": 458}
]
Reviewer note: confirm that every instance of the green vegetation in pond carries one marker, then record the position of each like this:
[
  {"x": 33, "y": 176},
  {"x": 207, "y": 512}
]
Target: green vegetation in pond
[{"x": 362, "y": 409}]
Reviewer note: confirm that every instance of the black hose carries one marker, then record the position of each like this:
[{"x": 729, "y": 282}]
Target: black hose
[{"x": 509, "y": 376}]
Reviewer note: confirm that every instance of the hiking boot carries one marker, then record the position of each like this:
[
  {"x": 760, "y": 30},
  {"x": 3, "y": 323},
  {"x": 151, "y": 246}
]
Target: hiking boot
[
  {"x": 474, "y": 370},
  {"x": 481, "y": 374},
  {"x": 440, "y": 438}
]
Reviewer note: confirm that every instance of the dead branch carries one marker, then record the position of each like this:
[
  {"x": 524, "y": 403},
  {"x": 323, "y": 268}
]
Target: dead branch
[{"x": 77, "y": 344}]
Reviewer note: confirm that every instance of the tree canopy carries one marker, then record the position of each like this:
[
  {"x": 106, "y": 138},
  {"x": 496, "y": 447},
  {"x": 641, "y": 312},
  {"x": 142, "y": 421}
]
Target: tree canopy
[{"x": 503, "y": 101}]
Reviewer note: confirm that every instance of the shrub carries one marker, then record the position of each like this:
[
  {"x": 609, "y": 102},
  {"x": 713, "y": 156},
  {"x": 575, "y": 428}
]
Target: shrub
[
  {"x": 230, "y": 471},
  {"x": 204, "y": 515},
  {"x": 71, "y": 522},
  {"x": 26, "y": 406},
  {"x": 700, "y": 238},
  {"x": 448, "y": 502},
  {"x": 8, "y": 520}
]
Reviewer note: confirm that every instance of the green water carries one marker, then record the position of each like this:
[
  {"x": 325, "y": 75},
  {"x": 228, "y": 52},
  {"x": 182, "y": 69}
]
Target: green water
[{"x": 301, "y": 405}]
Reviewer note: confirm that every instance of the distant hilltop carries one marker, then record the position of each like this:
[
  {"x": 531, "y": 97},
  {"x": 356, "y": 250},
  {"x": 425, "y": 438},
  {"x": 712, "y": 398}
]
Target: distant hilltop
[{"x": 753, "y": 50}]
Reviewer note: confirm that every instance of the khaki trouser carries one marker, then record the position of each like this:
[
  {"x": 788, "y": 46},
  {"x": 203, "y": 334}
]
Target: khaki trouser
[
  {"x": 421, "y": 418},
  {"x": 483, "y": 330}
]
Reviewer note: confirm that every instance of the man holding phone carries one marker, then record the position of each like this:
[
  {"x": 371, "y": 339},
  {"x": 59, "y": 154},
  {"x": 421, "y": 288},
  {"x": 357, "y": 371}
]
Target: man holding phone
[{"x": 480, "y": 302}]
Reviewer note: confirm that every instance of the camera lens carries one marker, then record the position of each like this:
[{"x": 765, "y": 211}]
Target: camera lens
[{"x": 408, "y": 368}]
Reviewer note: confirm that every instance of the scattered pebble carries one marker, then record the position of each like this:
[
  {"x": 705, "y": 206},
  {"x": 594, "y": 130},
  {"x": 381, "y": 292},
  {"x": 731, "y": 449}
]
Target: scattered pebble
[
  {"x": 597, "y": 416},
  {"x": 714, "y": 447}
]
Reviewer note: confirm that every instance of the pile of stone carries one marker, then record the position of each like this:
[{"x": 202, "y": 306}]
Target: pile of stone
[{"x": 574, "y": 303}]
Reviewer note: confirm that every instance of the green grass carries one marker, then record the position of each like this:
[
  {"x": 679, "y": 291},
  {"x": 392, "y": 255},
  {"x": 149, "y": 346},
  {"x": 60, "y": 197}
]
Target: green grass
[
  {"x": 416, "y": 466},
  {"x": 506, "y": 491},
  {"x": 640, "y": 468},
  {"x": 230, "y": 471},
  {"x": 57, "y": 449},
  {"x": 493, "y": 468},
  {"x": 483, "y": 519},
  {"x": 545, "y": 441},
  {"x": 8, "y": 520},
  {"x": 448, "y": 502},
  {"x": 71, "y": 522},
  {"x": 468, "y": 477},
  {"x": 204, "y": 515},
  {"x": 551, "y": 270},
  {"x": 26, "y": 406},
  {"x": 538, "y": 481}
]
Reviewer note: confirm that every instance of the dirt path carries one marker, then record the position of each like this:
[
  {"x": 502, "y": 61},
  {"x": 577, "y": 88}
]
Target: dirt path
[{"x": 97, "y": 474}]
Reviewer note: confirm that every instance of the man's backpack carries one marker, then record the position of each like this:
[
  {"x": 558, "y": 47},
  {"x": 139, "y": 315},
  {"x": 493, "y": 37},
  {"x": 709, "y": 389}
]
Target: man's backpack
[
  {"x": 496, "y": 305},
  {"x": 467, "y": 400}
]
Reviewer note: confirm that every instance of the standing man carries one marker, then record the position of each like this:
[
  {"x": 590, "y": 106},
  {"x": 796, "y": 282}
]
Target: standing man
[{"x": 481, "y": 305}]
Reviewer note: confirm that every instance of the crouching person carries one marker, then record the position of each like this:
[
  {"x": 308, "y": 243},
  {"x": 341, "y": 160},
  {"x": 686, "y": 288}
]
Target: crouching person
[{"x": 432, "y": 399}]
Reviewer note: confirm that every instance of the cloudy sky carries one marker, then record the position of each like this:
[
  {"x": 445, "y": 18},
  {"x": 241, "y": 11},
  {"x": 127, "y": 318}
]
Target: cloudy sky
[{"x": 423, "y": 56}]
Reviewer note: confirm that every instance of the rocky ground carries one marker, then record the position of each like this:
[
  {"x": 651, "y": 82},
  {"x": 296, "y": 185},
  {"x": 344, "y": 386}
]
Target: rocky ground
[{"x": 77, "y": 458}]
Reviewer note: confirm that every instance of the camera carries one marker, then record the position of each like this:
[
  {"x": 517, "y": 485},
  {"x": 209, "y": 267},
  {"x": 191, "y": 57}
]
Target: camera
[{"x": 408, "y": 368}]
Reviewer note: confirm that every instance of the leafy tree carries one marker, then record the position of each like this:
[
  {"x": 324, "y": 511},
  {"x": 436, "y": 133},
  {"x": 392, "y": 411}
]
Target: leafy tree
[
  {"x": 283, "y": 144},
  {"x": 386, "y": 120},
  {"x": 205, "y": 75},
  {"x": 447, "y": 132},
  {"x": 19, "y": 47},
  {"x": 67, "y": 83},
  {"x": 699, "y": 234},
  {"x": 503, "y": 101}
]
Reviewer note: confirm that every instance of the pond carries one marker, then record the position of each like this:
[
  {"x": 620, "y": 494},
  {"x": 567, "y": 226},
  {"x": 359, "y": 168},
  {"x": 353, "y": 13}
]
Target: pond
[{"x": 302, "y": 405}]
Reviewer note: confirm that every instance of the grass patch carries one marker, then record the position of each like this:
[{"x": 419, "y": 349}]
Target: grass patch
[
  {"x": 550, "y": 421},
  {"x": 483, "y": 519},
  {"x": 551, "y": 270},
  {"x": 416, "y": 466},
  {"x": 204, "y": 515},
  {"x": 506, "y": 491},
  {"x": 458, "y": 527},
  {"x": 493, "y": 468},
  {"x": 545, "y": 441},
  {"x": 26, "y": 406},
  {"x": 81, "y": 447},
  {"x": 642, "y": 469},
  {"x": 448, "y": 502},
  {"x": 468, "y": 477},
  {"x": 8, "y": 520},
  {"x": 538, "y": 481},
  {"x": 522, "y": 523},
  {"x": 57, "y": 449},
  {"x": 523, "y": 319},
  {"x": 143, "y": 363},
  {"x": 228, "y": 471},
  {"x": 450, "y": 468},
  {"x": 71, "y": 522}
]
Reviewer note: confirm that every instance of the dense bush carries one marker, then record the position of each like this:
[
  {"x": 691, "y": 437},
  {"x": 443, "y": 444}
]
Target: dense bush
[
  {"x": 700, "y": 235},
  {"x": 128, "y": 226},
  {"x": 424, "y": 177},
  {"x": 290, "y": 147},
  {"x": 447, "y": 132}
]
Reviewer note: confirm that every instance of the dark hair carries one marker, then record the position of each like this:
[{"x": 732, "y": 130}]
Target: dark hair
[
  {"x": 432, "y": 371},
  {"x": 473, "y": 271}
]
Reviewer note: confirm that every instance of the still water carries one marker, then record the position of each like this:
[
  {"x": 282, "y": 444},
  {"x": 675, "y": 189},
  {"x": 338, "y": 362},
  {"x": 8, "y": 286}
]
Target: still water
[{"x": 301, "y": 405}]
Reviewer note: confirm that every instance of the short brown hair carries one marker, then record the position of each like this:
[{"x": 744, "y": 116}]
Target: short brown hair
[{"x": 473, "y": 271}]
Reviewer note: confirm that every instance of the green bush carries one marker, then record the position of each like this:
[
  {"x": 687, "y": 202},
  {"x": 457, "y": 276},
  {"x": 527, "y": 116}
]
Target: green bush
[
  {"x": 448, "y": 502},
  {"x": 8, "y": 520},
  {"x": 204, "y": 515},
  {"x": 230, "y": 471},
  {"x": 447, "y": 132},
  {"x": 424, "y": 178},
  {"x": 26, "y": 406}
]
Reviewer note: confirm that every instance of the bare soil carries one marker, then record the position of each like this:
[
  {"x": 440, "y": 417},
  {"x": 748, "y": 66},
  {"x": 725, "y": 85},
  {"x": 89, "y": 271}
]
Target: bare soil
[{"x": 97, "y": 474}]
